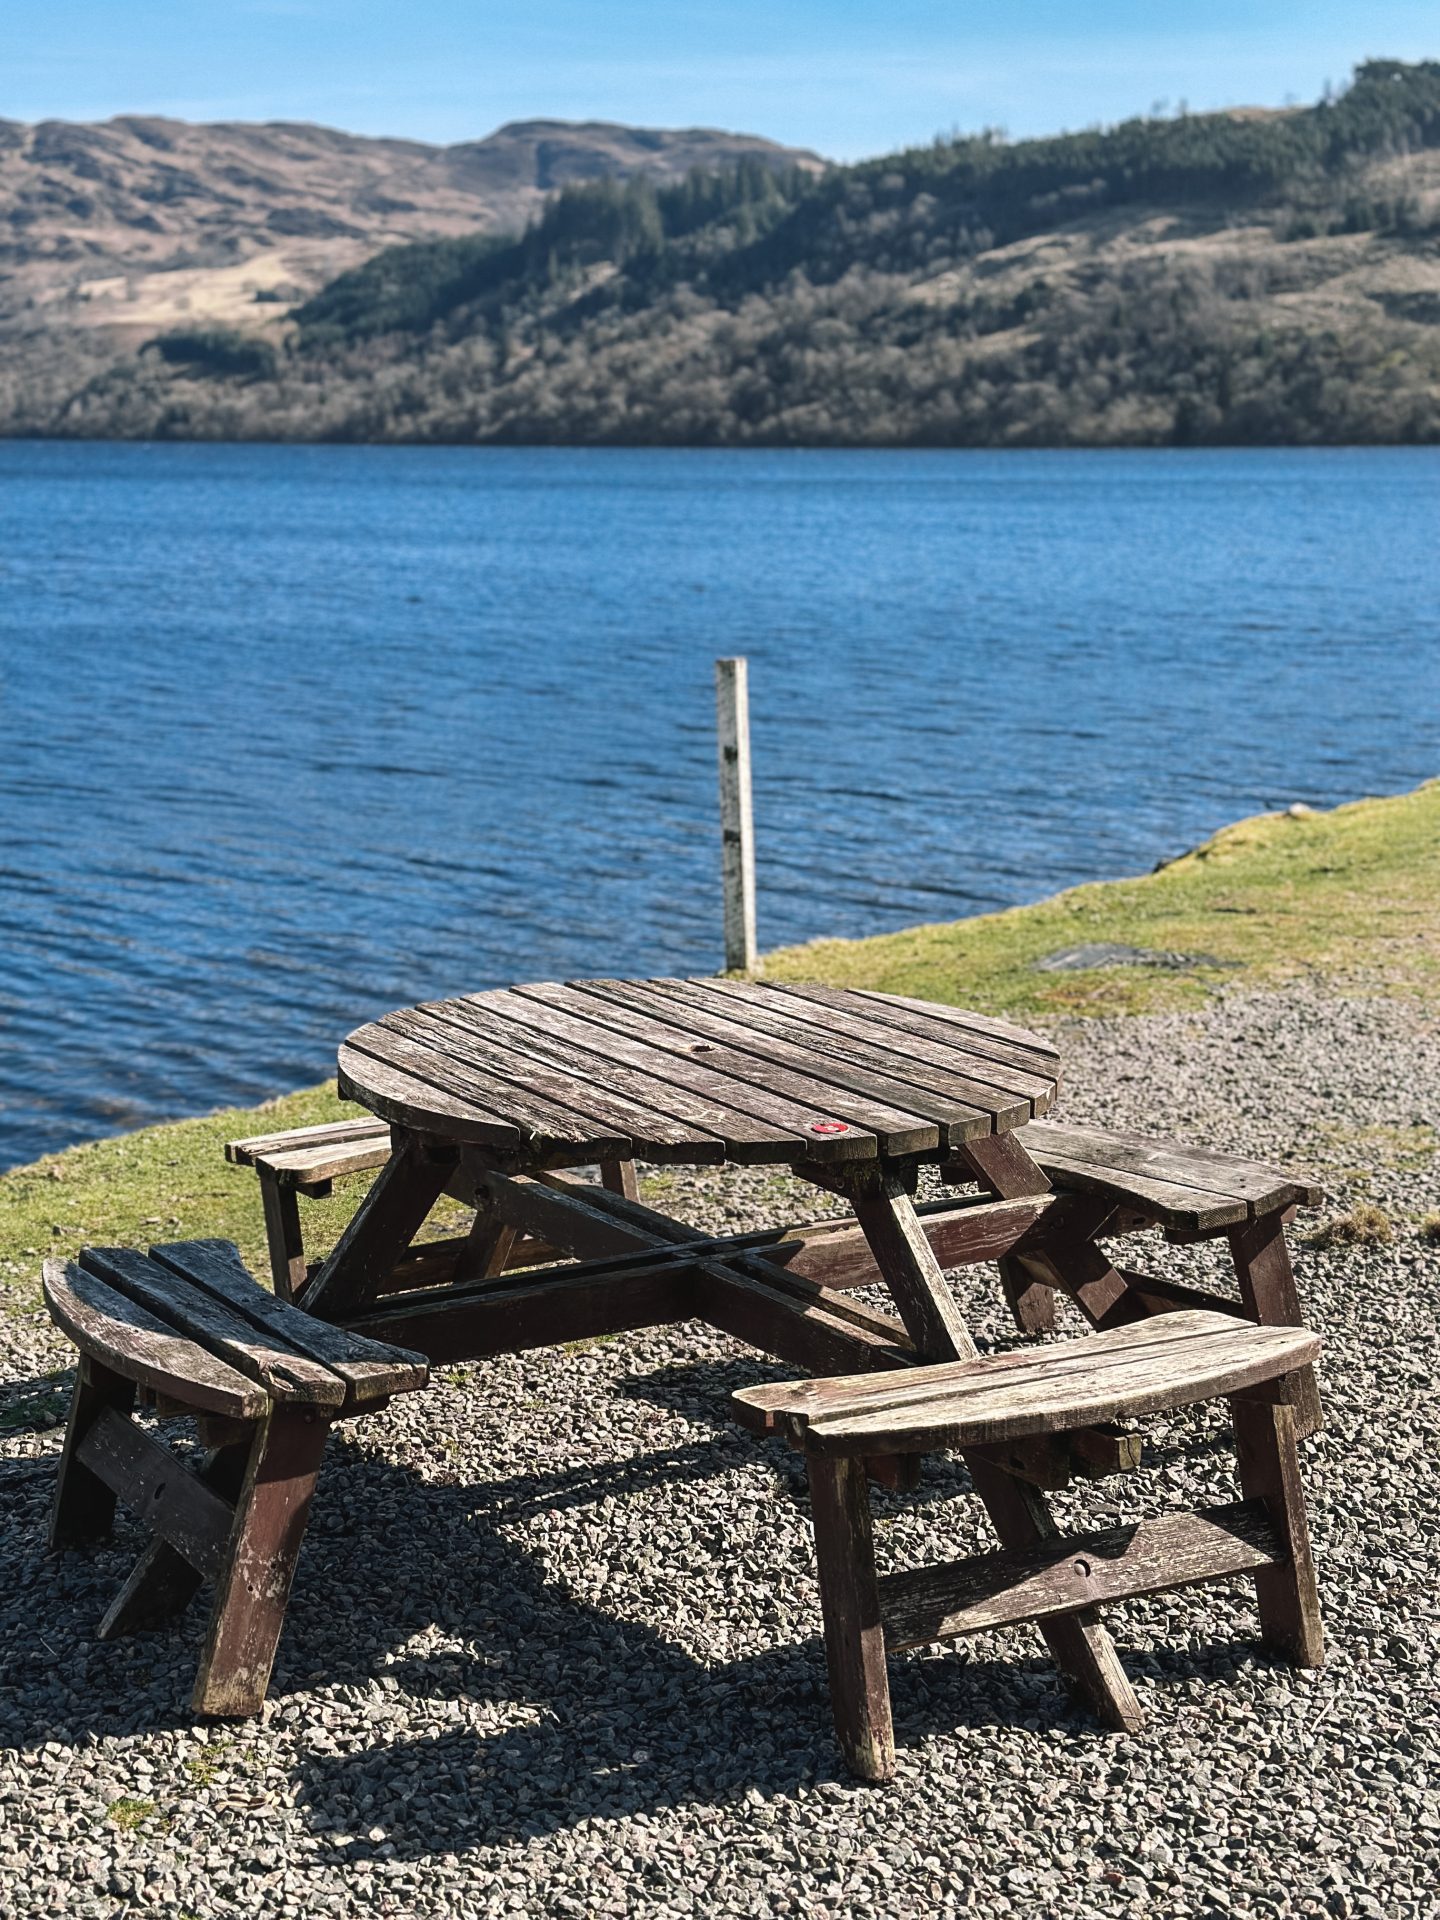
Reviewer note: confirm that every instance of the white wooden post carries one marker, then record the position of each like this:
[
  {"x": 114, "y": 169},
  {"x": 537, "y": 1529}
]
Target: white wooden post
[{"x": 737, "y": 824}]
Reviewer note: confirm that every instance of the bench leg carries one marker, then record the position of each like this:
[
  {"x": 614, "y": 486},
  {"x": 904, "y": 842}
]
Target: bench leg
[
  {"x": 1270, "y": 1471},
  {"x": 254, "y": 1586},
  {"x": 1079, "y": 1644},
  {"x": 163, "y": 1582},
  {"x": 1031, "y": 1302},
  {"x": 84, "y": 1506},
  {"x": 1267, "y": 1286},
  {"x": 850, "y": 1604},
  {"x": 618, "y": 1176},
  {"x": 282, "y": 1236}
]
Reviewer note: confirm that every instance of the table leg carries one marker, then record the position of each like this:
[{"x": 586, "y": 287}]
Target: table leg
[
  {"x": 1098, "y": 1288},
  {"x": 1267, "y": 1286},
  {"x": 908, "y": 1266},
  {"x": 618, "y": 1176},
  {"x": 387, "y": 1220}
]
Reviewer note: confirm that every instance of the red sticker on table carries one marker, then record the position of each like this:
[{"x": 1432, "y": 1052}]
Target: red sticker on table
[{"x": 829, "y": 1126}]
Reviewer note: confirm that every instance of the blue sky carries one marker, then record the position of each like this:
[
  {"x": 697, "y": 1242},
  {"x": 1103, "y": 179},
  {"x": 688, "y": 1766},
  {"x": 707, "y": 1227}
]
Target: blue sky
[{"x": 841, "y": 76}]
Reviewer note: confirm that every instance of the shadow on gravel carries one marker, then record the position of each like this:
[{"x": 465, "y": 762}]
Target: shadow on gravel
[{"x": 596, "y": 1716}]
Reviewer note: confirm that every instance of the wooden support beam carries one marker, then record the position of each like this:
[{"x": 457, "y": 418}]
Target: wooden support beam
[
  {"x": 253, "y": 1580},
  {"x": 283, "y": 1238},
  {"x": 1267, "y": 1286},
  {"x": 1270, "y": 1472},
  {"x": 1068, "y": 1574},
  {"x": 535, "y": 1311},
  {"x": 1078, "y": 1642},
  {"x": 908, "y": 1266},
  {"x": 148, "y": 1478},
  {"x": 804, "y": 1332},
  {"x": 385, "y": 1223}
]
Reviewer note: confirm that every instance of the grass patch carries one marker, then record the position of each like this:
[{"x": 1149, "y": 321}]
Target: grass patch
[
  {"x": 205, "y": 1767},
  {"x": 1366, "y": 1225},
  {"x": 1430, "y": 1228},
  {"x": 130, "y": 1815},
  {"x": 1350, "y": 895},
  {"x": 166, "y": 1183}
]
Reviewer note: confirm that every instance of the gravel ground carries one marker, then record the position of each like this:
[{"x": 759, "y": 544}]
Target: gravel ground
[{"x": 553, "y": 1645}]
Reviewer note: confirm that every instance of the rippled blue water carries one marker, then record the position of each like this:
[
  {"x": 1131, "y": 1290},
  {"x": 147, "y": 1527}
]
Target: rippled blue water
[{"x": 291, "y": 735}]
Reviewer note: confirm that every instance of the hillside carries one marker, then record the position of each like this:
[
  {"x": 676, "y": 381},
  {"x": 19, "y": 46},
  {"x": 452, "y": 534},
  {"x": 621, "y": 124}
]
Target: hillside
[
  {"x": 110, "y": 234},
  {"x": 1233, "y": 277}
]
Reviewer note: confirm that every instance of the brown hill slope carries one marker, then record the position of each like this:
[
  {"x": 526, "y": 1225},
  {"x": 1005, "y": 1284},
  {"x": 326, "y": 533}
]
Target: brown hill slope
[{"x": 120, "y": 230}]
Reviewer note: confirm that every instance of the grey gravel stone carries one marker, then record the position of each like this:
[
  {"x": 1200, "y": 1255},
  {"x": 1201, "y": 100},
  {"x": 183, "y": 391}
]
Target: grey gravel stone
[{"x": 554, "y": 1644}]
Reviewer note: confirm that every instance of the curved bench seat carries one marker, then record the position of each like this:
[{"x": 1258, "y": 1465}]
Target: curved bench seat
[{"x": 1170, "y": 1361}]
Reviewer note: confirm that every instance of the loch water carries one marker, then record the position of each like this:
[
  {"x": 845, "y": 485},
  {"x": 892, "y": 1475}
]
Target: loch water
[{"x": 290, "y": 735}]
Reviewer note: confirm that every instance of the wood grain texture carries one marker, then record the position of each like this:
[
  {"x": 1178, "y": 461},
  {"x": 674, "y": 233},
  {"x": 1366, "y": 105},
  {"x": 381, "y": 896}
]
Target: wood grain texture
[
  {"x": 1174, "y": 1360},
  {"x": 909, "y": 1268},
  {"x": 342, "y": 1135},
  {"x": 1267, "y": 1288},
  {"x": 137, "y": 1344},
  {"x": 953, "y": 1078},
  {"x": 366, "y": 1369},
  {"x": 996, "y": 1034},
  {"x": 1270, "y": 1472},
  {"x": 84, "y": 1505},
  {"x": 1067, "y": 1574},
  {"x": 981, "y": 1070},
  {"x": 253, "y": 1585},
  {"x": 850, "y": 1607},
  {"x": 284, "y": 1239},
  {"x": 380, "y": 1230},
  {"x": 1079, "y": 1643},
  {"x": 523, "y": 1311},
  {"x": 148, "y": 1479},
  {"x": 218, "y": 1328},
  {"x": 763, "y": 1126},
  {"x": 1186, "y": 1187},
  {"x": 796, "y": 1075}
]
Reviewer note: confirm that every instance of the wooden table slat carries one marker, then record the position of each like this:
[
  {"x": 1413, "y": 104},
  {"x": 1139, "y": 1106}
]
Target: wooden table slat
[
  {"x": 532, "y": 1075},
  {"x": 996, "y": 1062},
  {"x": 1009, "y": 1094},
  {"x": 614, "y": 1062},
  {"x": 810, "y": 1051},
  {"x": 531, "y": 1114},
  {"x": 792, "y": 1102},
  {"x": 411, "y": 1101},
  {"x": 931, "y": 1015},
  {"x": 740, "y": 1051}
]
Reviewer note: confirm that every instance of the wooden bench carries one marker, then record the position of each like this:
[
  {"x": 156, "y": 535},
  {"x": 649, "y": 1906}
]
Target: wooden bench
[
  {"x": 188, "y": 1330},
  {"x": 308, "y": 1160},
  {"x": 979, "y": 1405}
]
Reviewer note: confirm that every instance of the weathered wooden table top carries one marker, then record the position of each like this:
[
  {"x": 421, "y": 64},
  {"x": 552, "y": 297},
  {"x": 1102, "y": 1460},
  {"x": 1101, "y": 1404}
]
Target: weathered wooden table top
[{"x": 698, "y": 1071}]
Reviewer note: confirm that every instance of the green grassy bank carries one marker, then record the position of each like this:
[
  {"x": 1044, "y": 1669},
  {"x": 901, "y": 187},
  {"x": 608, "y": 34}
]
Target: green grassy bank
[{"x": 1352, "y": 896}]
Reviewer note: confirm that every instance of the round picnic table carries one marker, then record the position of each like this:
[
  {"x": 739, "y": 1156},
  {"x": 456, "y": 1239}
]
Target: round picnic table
[
  {"x": 492, "y": 1095},
  {"x": 698, "y": 1072}
]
